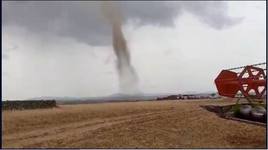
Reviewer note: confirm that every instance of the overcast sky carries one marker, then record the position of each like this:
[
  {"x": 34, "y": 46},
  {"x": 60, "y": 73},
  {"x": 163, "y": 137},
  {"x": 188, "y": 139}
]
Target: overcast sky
[{"x": 65, "y": 48}]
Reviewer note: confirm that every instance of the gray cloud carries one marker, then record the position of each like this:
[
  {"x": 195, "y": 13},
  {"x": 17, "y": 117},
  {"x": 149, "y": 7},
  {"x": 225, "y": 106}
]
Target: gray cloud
[
  {"x": 78, "y": 20},
  {"x": 213, "y": 13},
  {"x": 84, "y": 22},
  {"x": 158, "y": 13},
  {"x": 6, "y": 51},
  {"x": 5, "y": 56}
]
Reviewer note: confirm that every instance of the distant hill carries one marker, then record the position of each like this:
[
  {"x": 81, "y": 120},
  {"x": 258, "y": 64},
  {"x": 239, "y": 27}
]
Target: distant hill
[
  {"x": 110, "y": 98},
  {"x": 117, "y": 97}
]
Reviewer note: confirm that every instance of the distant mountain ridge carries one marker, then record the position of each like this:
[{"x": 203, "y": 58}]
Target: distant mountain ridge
[{"x": 117, "y": 97}]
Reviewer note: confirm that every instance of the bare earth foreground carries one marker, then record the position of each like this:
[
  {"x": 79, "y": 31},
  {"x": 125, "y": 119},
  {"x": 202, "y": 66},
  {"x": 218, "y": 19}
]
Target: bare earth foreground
[{"x": 152, "y": 124}]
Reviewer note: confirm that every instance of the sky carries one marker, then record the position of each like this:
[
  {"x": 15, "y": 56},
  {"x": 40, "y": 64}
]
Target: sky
[{"x": 65, "y": 48}]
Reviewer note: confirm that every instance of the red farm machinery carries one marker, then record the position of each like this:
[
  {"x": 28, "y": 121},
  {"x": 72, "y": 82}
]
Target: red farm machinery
[{"x": 247, "y": 82}]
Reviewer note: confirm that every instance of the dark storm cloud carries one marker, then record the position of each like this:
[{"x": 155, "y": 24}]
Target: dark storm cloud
[
  {"x": 84, "y": 22},
  {"x": 158, "y": 13},
  {"x": 213, "y": 13},
  {"x": 79, "y": 20}
]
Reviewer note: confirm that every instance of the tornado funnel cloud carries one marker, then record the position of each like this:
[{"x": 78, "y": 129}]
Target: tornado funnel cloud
[{"x": 128, "y": 80}]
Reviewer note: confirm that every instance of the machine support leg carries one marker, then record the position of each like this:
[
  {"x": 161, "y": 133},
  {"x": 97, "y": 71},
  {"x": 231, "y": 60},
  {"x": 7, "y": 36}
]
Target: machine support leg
[
  {"x": 249, "y": 100},
  {"x": 237, "y": 101}
]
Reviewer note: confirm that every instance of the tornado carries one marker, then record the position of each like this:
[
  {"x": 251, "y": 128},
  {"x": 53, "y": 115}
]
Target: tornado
[{"x": 128, "y": 80}]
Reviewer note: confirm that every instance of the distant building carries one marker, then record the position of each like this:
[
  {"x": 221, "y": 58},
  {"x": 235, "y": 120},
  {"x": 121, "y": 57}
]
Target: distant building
[{"x": 189, "y": 96}]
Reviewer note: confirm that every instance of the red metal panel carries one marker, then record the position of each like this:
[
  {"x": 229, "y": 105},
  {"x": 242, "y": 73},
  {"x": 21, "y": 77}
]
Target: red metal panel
[{"x": 227, "y": 83}]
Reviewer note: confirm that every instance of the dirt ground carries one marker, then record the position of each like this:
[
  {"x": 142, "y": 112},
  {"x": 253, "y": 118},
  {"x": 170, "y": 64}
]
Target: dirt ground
[{"x": 152, "y": 124}]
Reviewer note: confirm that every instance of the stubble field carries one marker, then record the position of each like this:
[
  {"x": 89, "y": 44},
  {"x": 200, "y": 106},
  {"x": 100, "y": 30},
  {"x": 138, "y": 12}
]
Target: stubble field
[{"x": 151, "y": 124}]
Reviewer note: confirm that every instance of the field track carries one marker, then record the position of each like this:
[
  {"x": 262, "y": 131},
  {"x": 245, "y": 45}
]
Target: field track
[{"x": 152, "y": 124}]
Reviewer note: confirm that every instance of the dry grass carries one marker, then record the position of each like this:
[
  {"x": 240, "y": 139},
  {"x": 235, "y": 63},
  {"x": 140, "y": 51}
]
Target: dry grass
[{"x": 158, "y": 124}]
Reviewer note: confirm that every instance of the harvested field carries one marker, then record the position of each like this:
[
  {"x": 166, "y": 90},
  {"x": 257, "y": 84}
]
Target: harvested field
[{"x": 152, "y": 124}]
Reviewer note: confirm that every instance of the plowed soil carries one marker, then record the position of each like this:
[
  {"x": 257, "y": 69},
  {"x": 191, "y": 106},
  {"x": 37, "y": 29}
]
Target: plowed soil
[{"x": 151, "y": 124}]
